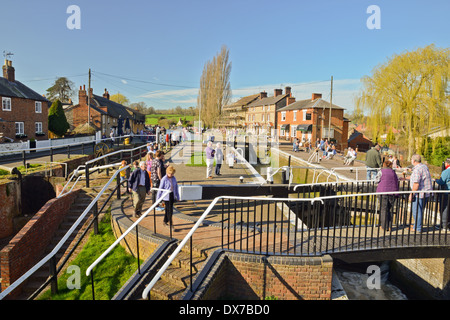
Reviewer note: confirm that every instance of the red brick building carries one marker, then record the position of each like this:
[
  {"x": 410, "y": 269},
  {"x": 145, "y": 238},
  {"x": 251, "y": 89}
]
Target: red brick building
[
  {"x": 23, "y": 112},
  {"x": 309, "y": 120},
  {"x": 105, "y": 114}
]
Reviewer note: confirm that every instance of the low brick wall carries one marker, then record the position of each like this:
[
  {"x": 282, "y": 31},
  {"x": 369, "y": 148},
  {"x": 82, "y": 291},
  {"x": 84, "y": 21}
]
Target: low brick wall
[
  {"x": 10, "y": 200},
  {"x": 148, "y": 242},
  {"x": 29, "y": 244},
  {"x": 255, "y": 277}
]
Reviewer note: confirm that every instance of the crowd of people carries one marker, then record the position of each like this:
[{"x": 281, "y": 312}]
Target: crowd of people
[
  {"x": 421, "y": 183},
  {"x": 154, "y": 173}
]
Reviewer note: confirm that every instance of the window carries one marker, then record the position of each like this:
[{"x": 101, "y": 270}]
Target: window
[
  {"x": 263, "y": 117},
  {"x": 295, "y": 115},
  {"x": 20, "y": 128},
  {"x": 268, "y": 117},
  {"x": 293, "y": 131},
  {"x": 38, "y": 126},
  {"x": 304, "y": 115},
  {"x": 38, "y": 107},
  {"x": 6, "y": 104},
  {"x": 283, "y": 116},
  {"x": 308, "y": 116}
]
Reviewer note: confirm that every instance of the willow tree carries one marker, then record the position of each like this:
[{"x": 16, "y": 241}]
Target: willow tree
[
  {"x": 411, "y": 89},
  {"x": 215, "y": 88}
]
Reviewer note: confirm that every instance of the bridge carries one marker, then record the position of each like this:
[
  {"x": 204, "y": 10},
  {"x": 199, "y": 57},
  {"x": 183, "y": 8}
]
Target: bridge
[{"x": 339, "y": 219}]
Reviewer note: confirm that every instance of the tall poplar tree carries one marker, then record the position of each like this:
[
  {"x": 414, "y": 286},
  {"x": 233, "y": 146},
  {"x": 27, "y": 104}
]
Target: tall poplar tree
[
  {"x": 215, "y": 88},
  {"x": 413, "y": 90}
]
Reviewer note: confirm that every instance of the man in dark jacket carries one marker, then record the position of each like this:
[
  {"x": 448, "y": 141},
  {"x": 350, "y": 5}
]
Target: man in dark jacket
[
  {"x": 139, "y": 185},
  {"x": 373, "y": 162}
]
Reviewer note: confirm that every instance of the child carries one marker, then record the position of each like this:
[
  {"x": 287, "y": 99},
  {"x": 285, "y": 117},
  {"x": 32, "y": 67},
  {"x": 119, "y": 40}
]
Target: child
[
  {"x": 123, "y": 173},
  {"x": 169, "y": 182}
]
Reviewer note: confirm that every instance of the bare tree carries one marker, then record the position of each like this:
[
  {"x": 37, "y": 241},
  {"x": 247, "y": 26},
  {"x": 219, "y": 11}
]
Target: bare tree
[{"x": 215, "y": 88}]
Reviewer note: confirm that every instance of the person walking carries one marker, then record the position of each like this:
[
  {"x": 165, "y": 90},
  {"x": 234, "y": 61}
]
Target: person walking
[
  {"x": 420, "y": 180},
  {"x": 373, "y": 162},
  {"x": 219, "y": 158},
  {"x": 210, "y": 152},
  {"x": 158, "y": 171},
  {"x": 169, "y": 182},
  {"x": 387, "y": 182},
  {"x": 139, "y": 185},
  {"x": 444, "y": 183}
]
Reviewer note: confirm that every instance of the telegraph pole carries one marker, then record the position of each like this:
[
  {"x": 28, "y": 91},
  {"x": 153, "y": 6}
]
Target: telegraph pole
[
  {"x": 89, "y": 101},
  {"x": 331, "y": 105}
]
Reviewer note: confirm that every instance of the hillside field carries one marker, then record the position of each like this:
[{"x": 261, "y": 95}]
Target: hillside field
[{"x": 152, "y": 119}]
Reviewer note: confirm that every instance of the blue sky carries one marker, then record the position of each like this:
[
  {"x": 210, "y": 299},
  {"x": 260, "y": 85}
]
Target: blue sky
[{"x": 165, "y": 44}]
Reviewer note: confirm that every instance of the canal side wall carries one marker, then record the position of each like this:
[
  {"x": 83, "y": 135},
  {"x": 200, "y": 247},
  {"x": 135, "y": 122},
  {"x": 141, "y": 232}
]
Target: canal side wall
[
  {"x": 29, "y": 244},
  {"x": 256, "y": 277},
  {"x": 427, "y": 278}
]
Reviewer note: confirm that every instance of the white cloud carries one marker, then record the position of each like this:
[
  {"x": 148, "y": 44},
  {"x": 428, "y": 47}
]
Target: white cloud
[{"x": 344, "y": 92}]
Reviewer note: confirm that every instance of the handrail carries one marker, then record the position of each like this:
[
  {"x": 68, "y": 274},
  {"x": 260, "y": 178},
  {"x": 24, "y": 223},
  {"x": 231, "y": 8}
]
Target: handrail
[
  {"x": 76, "y": 172},
  {"x": 214, "y": 202},
  {"x": 61, "y": 242},
  {"x": 198, "y": 223},
  {"x": 105, "y": 253}
]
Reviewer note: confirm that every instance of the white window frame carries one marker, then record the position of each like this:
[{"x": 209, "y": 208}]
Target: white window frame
[
  {"x": 283, "y": 116},
  {"x": 38, "y": 127},
  {"x": 262, "y": 117},
  {"x": 304, "y": 114},
  {"x": 21, "y": 128},
  {"x": 6, "y": 104},
  {"x": 293, "y": 131},
  {"x": 295, "y": 115},
  {"x": 38, "y": 107}
]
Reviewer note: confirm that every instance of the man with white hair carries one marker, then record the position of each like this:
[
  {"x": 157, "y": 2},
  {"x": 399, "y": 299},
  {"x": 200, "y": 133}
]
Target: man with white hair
[
  {"x": 420, "y": 181},
  {"x": 139, "y": 185},
  {"x": 219, "y": 158},
  {"x": 210, "y": 152}
]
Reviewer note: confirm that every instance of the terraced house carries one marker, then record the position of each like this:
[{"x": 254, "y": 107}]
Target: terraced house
[
  {"x": 261, "y": 115},
  {"x": 310, "y": 119},
  {"x": 24, "y": 112}
]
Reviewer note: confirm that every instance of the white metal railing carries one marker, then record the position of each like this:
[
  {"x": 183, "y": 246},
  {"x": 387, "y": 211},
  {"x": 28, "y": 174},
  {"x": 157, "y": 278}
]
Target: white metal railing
[
  {"x": 61, "y": 242},
  {"x": 199, "y": 222},
  {"x": 107, "y": 251},
  {"x": 78, "y": 173}
]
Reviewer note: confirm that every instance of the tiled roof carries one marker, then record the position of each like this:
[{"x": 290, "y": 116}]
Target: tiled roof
[
  {"x": 17, "y": 89},
  {"x": 267, "y": 101},
  {"x": 309, "y": 104}
]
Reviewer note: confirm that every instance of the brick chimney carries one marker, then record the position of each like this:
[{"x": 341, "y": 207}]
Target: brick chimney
[
  {"x": 8, "y": 71},
  {"x": 288, "y": 91},
  {"x": 290, "y": 100},
  {"x": 82, "y": 96},
  {"x": 277, "y": 92},
  {"x": 106, "y": 94},
  {"x": 263, "y": 95},
  {"x": 316, "y": 96}
]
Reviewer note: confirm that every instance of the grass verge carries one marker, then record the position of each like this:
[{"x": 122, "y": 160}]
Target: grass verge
[{"x": 109, "y": 276}]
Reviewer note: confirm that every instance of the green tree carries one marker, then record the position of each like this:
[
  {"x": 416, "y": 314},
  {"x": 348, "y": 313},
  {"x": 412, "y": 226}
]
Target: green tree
[
  {"x": 120, "y": 98},
  {"x": 62, "y": 90},
  {"x": 411, "y": 89},
  {"x": 57, "y": 122}
]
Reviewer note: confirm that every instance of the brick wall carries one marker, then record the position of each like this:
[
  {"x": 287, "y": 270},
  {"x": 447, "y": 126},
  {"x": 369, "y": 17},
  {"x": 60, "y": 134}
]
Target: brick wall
[
  {"x": 246, "y": 276},
  {"x": 29, "y": 244},
  {"x": 23, "y": 110},
  {"x": 10, "y": 199},
  {"x": 427, "y": 278}
]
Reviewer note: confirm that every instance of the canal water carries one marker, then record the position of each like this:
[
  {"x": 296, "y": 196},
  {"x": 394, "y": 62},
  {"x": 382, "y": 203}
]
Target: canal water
[{"x": 359, "y": 284}]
